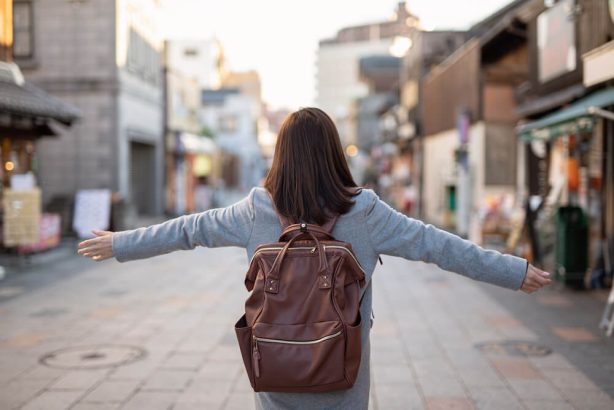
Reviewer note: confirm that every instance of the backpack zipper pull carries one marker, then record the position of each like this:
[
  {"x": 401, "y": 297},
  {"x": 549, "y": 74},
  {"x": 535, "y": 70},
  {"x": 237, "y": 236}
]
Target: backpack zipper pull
[{"x": 256, "y": 358}]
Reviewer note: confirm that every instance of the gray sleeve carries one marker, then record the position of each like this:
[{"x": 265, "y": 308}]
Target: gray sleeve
[
  {"x": 230, "y": 226},
  {"x": 393, "y": 233}
]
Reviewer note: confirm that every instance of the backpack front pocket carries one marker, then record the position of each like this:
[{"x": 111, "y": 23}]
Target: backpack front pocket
[{"x": 297, "y": 355}]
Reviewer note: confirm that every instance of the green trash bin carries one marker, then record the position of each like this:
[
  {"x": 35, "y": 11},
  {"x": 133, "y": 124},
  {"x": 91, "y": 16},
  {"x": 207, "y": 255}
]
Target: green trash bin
[{"x": 571, "y": 250}]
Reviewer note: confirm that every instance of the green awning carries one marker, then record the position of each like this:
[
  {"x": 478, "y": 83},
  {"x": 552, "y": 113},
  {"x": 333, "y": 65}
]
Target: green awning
[{"x": 573, "y": 119}]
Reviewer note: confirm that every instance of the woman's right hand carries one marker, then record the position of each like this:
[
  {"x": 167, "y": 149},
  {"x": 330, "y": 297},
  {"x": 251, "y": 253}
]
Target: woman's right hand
[
  {"x": 98, "y": 248},
  {"x": 535, "y": 279}
]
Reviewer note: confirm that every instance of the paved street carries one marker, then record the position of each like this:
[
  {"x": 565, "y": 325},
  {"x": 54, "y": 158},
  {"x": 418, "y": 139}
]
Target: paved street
[{"x": 158, "y": 334}]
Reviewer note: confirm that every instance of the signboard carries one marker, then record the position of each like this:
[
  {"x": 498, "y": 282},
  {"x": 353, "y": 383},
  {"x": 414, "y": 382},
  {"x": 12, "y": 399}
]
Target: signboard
[
  {"x": 556, "y": 41},
  {"x": 92, "y": 211}
]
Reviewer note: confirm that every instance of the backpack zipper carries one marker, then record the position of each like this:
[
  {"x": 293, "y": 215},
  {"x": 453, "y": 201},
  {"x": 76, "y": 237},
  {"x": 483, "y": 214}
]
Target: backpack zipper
[
  {"x": 312, "y": 249},
  {"x": 297, "y": 342},
  {"x": 256, "y": 351}
]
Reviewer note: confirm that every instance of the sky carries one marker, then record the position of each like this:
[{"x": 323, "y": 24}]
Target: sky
[{"x": 279, "y": 38}]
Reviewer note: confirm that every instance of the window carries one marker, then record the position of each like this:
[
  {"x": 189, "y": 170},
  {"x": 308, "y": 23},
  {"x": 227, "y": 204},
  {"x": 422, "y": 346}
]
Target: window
[
  {"x": 227, "y": 124},
  {"x": 190, "y": 52},
  {"x": 23, "y": 29},
  {"x": 556, "y": 41}
]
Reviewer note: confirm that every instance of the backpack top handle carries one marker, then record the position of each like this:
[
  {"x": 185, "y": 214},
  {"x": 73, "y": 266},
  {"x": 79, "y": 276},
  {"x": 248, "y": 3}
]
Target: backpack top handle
[{"x": 272, "y": 278}]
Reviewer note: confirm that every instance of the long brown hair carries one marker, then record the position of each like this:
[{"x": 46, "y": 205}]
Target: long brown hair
[{"x": 309, "y": 177}]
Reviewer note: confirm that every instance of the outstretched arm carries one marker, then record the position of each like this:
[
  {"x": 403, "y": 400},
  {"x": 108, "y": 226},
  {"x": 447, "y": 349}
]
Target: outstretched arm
[
  {"x": 393, "y": 233},
  {"x": 230, "y": 226}
]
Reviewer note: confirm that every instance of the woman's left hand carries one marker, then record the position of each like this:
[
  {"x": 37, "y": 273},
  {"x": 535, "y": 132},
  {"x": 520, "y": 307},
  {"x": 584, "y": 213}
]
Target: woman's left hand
[
  {"x": 98, "y": 248},
  {"x": 535, "y": 279}
]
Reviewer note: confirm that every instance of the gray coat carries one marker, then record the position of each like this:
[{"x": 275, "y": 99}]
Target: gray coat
[{"x": 371, "y": 226}]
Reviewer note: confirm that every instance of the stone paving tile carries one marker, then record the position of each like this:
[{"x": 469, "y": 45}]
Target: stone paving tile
[
  {"x": 480, "y": 376},
  {"x": 240, "y": 401},
  {"x": 164, "y": 379},
  {"x": 551, "y": 361},
  {"x": 588, "y": 399},
  {"x": 397, "y": 396},
  {"x": 139, "y": 370},
  {"x": 79, "y": 379},
  {"x": 204, "y": 395},
  {"x": 574, "y": 334},
  {"x": 151, "y": 400},
  {"x": 53, "y": 400},
  {"x": 42, "y": 372},
  {"x": 393, "y": 374},
  {"x": 96, "y": 406},
  {"x": 494, "y": 398},
  {"x": 554, "y": 300},
  {"x": 204, "y": 388},
  {"x": 186, "y": 361},
  {"x": 15, "y": 394},
  {"x": 449, "y": 403},
  {"x": 547, "y": 405},
  {"x": 517, "y": 368},
  {"x": 220, "y": 371},
  {"x": 567, "y": 378},
  {"x": 112, "y": 391},
  {"x": 535, "y": 390}
]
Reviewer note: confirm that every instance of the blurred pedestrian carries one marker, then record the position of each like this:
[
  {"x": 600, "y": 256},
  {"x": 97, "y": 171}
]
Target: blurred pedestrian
[{"x": 309, "y": 179}]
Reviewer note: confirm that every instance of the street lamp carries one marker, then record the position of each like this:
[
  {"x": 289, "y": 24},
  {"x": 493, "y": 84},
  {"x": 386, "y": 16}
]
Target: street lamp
[{"x": 400, "y": 46}]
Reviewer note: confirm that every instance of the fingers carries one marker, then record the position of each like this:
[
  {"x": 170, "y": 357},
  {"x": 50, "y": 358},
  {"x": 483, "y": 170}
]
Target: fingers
[
  {"x": 535, "y": 279},
  {"x": 98, "y": 248},
  {"x": 97, "y": 255}
]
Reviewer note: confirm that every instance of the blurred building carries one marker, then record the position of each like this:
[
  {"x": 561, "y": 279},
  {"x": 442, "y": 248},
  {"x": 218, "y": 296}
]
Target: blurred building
[
  {"x": 191, "y": 154},
  {"x": 27, "y": 114},
  {"x": 469, "y": 116},
  {"x": 199, "y": 59},
  {"x": 339, "y": 83},
  {"x": 232, "y": 118},
  {"x": 269, "y": 126},
  {"x": 402, "y": 124},
  {"x": 381, "y": 75},
  {"x": 567, "y": 129},
  {"x": 103, "y": 57},
  {"x": 247, "y": 82}
]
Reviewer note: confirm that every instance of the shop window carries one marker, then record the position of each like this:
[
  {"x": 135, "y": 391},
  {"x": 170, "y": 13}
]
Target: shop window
[
  {"x": 23, "y": 30},
  {"x": 500, "y": 156}
]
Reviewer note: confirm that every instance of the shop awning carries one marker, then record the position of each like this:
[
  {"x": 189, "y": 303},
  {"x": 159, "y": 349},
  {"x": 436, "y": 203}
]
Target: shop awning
[
  {"x": 577, "y": 117},
  {"x": 195, "y": 144},
  {"x": 21, "y": 99}
]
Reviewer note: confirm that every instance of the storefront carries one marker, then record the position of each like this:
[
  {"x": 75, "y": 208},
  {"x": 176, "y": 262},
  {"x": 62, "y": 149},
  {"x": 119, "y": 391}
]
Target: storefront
[
  {"x": 27, "y": 113},
  {"x": 570, "y": 187},
  {"x": 191, "y": 174}
]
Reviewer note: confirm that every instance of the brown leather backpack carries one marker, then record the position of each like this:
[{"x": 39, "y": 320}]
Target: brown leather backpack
[{"x": 301, "y": 327}]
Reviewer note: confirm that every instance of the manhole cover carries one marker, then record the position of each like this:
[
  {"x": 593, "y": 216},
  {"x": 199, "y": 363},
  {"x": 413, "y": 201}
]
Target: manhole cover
[
  {"x": 514, "y": 348},
  {"x": 92, "y": 357}
]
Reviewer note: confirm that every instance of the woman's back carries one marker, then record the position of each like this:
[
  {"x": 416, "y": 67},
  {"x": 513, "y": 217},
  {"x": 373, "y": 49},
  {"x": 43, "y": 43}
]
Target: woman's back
[{"x": 309, "y": 179}]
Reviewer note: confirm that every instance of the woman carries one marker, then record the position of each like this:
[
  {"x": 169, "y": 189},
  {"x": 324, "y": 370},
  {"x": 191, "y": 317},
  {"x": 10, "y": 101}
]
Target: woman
[{"x": 310, "y": 177}]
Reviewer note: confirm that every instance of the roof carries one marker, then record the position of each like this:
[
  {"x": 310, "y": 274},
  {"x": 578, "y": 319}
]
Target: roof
[
  {"x": 217, "y": 96},
  {"x": 486, "y": 24},
  {"x": 576, "y": 117},
  {"x": 21, "y": 98}
]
